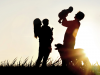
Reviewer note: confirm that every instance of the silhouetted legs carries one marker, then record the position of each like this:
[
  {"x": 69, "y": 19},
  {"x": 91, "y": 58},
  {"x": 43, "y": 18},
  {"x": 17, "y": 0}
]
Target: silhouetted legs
[
  {"x": 40, "y": 56},
  {"x": 43, "y": 53},
  {"x": 46, "y": 55}
]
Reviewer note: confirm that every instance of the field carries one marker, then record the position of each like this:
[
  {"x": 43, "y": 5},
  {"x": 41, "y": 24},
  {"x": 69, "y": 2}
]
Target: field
[{"x": 54, "y": 68}]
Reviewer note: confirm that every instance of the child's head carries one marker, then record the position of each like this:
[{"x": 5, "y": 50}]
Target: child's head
[
  {"x": 45, "y": 22},
  {"x": 80, "y": 15},
  {"x": 70, "y": 9}
]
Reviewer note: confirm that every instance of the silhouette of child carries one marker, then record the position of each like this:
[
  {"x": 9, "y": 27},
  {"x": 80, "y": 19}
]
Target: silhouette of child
[{"x": 64, "y": 13}]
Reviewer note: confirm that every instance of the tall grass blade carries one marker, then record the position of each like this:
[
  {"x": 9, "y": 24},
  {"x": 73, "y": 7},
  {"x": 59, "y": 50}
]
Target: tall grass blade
[
  {"x": 56, "y": 61},
  {"x": 4, "y": 63},
  {"x": 48, "y": 59},
  {"x": 19, "y": 62},
  {"x": 31, "y": 62},
  {"x": 25, "y": 61},
  {"x": 1, "y": 64},
  {"x": 7, "y": 63},
  {"x": 14, "y": 61}
]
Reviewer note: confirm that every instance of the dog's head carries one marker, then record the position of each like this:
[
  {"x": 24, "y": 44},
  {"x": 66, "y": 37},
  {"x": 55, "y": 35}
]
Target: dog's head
[{"x": 58, "y": 46}]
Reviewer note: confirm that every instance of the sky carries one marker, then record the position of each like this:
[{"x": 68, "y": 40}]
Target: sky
[{"x": 16, "y": 27}]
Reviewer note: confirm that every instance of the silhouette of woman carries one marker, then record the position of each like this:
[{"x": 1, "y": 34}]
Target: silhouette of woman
[
  {"x": 37, "y": 33},
  {"x": 37, "y": 27},
  {"x": 44, "y": 34}
]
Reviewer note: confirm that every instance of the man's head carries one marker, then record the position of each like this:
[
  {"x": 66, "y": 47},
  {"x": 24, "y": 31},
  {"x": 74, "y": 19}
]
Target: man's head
[
  {"x": 80, "y": 15},
  {"x": 45, "y": 22}
]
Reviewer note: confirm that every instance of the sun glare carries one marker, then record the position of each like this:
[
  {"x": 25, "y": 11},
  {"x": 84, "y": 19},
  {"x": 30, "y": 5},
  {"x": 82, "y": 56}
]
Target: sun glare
[
  {"x": 92, "y": 54},
  {"x": 85, "y": 39}
]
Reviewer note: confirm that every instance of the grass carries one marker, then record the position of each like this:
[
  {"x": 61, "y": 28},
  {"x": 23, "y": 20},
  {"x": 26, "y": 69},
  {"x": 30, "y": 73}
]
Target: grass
[
  {"x": 25, "y": 64},
  {"x": 53, "y": 67}
]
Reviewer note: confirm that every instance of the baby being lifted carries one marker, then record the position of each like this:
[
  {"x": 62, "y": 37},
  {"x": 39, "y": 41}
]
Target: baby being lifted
[{"x": 64, "y": 13}]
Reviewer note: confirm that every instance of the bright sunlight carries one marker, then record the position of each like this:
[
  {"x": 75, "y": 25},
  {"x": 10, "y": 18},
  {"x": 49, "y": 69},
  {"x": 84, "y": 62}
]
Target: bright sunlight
[{"x": 85, "y": 40}]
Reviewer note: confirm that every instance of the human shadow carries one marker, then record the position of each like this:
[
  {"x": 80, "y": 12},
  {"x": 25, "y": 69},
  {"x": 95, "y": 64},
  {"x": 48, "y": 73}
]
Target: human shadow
[{"x": 45, "y": 35}]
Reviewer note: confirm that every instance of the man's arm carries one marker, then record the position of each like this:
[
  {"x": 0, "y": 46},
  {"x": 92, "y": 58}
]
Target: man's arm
[{"x": 66, "y": 23}]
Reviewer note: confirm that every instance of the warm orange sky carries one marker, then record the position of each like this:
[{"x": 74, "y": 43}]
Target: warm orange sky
[{"x": 16, "y": 26}]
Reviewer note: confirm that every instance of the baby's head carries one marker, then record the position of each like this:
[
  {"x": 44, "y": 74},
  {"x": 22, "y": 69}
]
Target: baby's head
[
  {"x": 45, "y": 22},
  {"x": 70, "y": 9},
  {"x": 80, "y": 15}
]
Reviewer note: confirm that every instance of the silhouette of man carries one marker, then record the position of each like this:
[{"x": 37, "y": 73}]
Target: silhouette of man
[
  {"x": 45, "y": 43},
  {"x": 71, "y": 32}
]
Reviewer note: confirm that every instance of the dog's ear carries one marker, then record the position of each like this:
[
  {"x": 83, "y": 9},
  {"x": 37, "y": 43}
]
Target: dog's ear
[{"x": 56, "y": 45}]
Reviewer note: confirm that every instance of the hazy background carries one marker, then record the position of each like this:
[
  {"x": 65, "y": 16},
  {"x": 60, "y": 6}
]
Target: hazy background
[{"x": 16, "y": 27}]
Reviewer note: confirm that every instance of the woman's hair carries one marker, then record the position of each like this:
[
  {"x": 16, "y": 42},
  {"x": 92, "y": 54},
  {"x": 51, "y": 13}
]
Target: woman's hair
[
  {"x": 37, "y": 25},
  {"x": 80, "y": 15}
]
